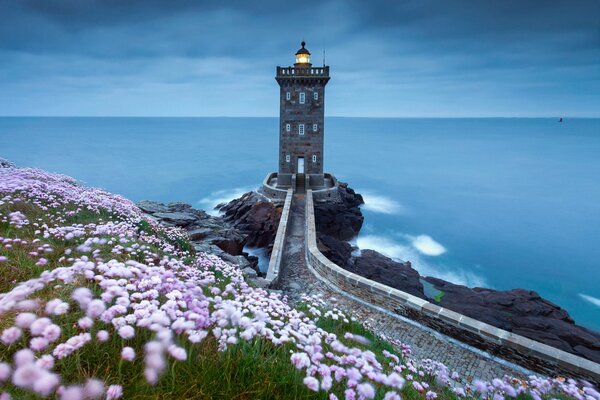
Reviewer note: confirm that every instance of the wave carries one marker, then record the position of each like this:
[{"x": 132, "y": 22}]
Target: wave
[
  {"x": 426, "y": 245},
  {"x": 381, "y": 204},
  {"x": 209, "y": 202},
  {"x": 594, "y": 300},
  {"x": 407, "y": 252}
]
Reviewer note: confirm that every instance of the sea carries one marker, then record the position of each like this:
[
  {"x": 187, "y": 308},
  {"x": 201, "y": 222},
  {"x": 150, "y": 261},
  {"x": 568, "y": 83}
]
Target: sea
[{"x": 491, "y": 202}]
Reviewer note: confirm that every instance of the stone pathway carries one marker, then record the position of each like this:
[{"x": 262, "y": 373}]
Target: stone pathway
[{"x": 296, "y": 279}]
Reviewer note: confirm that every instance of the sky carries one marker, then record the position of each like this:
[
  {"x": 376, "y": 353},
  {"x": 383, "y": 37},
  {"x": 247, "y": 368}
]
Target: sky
[{"x": 395, "y": 58}]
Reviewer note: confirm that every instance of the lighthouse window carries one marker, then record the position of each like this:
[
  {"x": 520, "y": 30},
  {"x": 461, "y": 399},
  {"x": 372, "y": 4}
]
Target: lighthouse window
[
  {"x": 316, "y": 95},
  {"x": 287, "y": 158},
  {"x": 302, "y": 97},
  {"x": 288, "y": 95},
  {"x": 301, "y": 129},
  {"x": 314, "y": 158},
  {"x": 314, "y": 127},
  {"x": 288, "y": 127}
]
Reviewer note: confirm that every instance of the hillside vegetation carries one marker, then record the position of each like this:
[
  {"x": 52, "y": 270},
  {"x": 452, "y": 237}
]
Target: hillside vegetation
[{"x": 97, "y": 302}]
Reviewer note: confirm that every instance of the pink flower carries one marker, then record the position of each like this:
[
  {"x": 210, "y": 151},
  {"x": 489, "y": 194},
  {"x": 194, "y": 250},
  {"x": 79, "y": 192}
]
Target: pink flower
[
  {"x": 3, "y": 258},
  {"x": 126, "y": 332},
  {"x": 395, "y": 380},
  {"x": 24, "y": 320},
  {"x": 72, "y": 393},
  {"x": 5, "y": 371},
  {"x": 128, "y": 354},
  {"x": 85, "y": 323},
  {"x": 114, "y": 392},
  {"x": 392, "y": 396},
  {"x": 82, "y": 295},
  {"x": 365, "y": 391},
  {"x": 431, "y": 395},
  {"x": 51, "y": 332},
  {"x": 37, "y": 327},
  {"x": 93, "y": 389},
  {"x": 300, "y": 360},
  {"x": 23, "y": 357},
  {"x": 95, "y": 308},
  {"x": 41, "y": 262},
  {"x": 311, "y": 383},
  {"x": 10, "y": 335},
  {"x": 102, "y": 336},
  {"x": 46, "y": 362},
  {"x": 26, "y": 375},
  {"x": 177, "y": 353},
  {"x": 38, "y": 344},
  {"x": 349, "y": 394},
  {"x": 46, "y": 383}
]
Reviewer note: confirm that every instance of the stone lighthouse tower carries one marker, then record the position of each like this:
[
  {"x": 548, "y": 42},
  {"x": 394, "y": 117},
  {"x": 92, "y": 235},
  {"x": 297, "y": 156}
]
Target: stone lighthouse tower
[{"x": 301, "y": 117}]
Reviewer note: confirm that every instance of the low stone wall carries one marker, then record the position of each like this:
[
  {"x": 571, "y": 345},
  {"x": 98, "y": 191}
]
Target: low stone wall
[
  {"x": 278, "y": 244},
  {"x": 530, "y": 354},
  {"x": 271, "y": 191}
]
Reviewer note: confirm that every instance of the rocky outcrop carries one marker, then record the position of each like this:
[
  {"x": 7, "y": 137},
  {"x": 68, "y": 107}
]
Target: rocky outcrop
[
  {"x": 523, "y": 312},
  {"x": 254, "y": 215},
  {"x": 6, "y": 164},
  {"x": 341, "y": 220},
  {"x": 377, "y": 267},
  {"x": 207, "y": 233}
]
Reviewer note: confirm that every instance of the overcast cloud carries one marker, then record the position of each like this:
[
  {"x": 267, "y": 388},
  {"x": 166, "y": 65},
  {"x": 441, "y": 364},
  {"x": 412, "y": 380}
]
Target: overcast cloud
[{"x": 218, "y": 58}]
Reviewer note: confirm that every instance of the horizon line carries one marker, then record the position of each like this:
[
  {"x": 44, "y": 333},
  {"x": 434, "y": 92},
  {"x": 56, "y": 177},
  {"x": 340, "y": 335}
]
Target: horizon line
[{"x": 330, "y": 116}]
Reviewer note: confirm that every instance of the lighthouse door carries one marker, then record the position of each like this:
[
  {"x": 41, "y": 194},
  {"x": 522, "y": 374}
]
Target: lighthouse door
[{"x": 300, "y": 165}]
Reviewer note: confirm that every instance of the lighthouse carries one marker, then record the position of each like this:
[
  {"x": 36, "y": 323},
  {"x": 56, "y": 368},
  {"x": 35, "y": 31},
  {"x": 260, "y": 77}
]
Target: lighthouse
[{"x": 301, "y": 122}]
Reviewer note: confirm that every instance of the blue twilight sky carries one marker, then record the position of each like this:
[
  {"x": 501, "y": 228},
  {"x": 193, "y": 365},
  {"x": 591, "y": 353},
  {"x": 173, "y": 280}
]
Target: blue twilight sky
[{"x": 217, "y": 58}]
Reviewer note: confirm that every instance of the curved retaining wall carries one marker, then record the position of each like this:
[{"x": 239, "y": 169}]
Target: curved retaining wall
[
  {"x": 518, "y": 349},
  {"x": 270, "y": 191},
  {"x": 278, "y": 244}
]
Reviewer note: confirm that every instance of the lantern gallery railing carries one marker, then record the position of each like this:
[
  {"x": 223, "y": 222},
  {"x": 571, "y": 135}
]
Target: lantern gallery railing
[{"x": 302, "y": 71}]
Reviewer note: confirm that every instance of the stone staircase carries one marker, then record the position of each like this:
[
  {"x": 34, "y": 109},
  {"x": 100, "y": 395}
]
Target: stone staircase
[{"x": 300, "y": 183}]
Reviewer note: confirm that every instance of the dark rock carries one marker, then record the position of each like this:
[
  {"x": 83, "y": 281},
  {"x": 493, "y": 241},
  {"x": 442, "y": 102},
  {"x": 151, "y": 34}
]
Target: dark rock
[
  {"x": 337, "y": 221},
  {"x": 523, "y": 312},
  {"x": 179, "y": 206},
  {"x": 335, "y": 250},
  {"x": 249, "y": 272},
  {"x": 176, "y": 218},
  {"x": 254, "y": 215},
  {"x": 152, "y": 207},
  {"x": 231, "y": 241},
  {"x": 200, "y": 233},
  {"x": 377, "y": 267},
  {"x": 6, "y": 164}
]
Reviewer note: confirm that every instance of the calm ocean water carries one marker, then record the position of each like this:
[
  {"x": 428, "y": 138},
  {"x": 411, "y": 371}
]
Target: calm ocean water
[{"x": 502, "y": 203}]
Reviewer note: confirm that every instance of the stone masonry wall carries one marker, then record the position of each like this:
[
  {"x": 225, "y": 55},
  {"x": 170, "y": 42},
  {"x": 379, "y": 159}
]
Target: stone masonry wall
[
  {"x": 294, "y": 113},
  {"x": 518, "y": 349}
]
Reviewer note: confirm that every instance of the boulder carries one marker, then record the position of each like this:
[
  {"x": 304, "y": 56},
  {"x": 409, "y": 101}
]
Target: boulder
[
  {"x": 231, "y": 241},
  {"x": 176, "y": 218},
  {"x": 249, "y": 272},
  {"x": 199, "y": 233},
  {"x": 254, "y": 215},
  {"x": 335, "y": 250},
  {"x": 382, "y": 269},
  {"x": 341, "y": 220},
  {"x": 152, "y": 207}
]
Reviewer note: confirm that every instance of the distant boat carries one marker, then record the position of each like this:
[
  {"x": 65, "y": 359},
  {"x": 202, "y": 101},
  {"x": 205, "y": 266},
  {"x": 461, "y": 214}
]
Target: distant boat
[{"x": 560, "y": 120}]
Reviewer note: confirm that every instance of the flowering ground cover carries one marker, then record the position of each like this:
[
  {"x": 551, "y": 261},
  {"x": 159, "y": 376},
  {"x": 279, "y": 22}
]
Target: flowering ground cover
[{"x": 97, "y": 302}]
